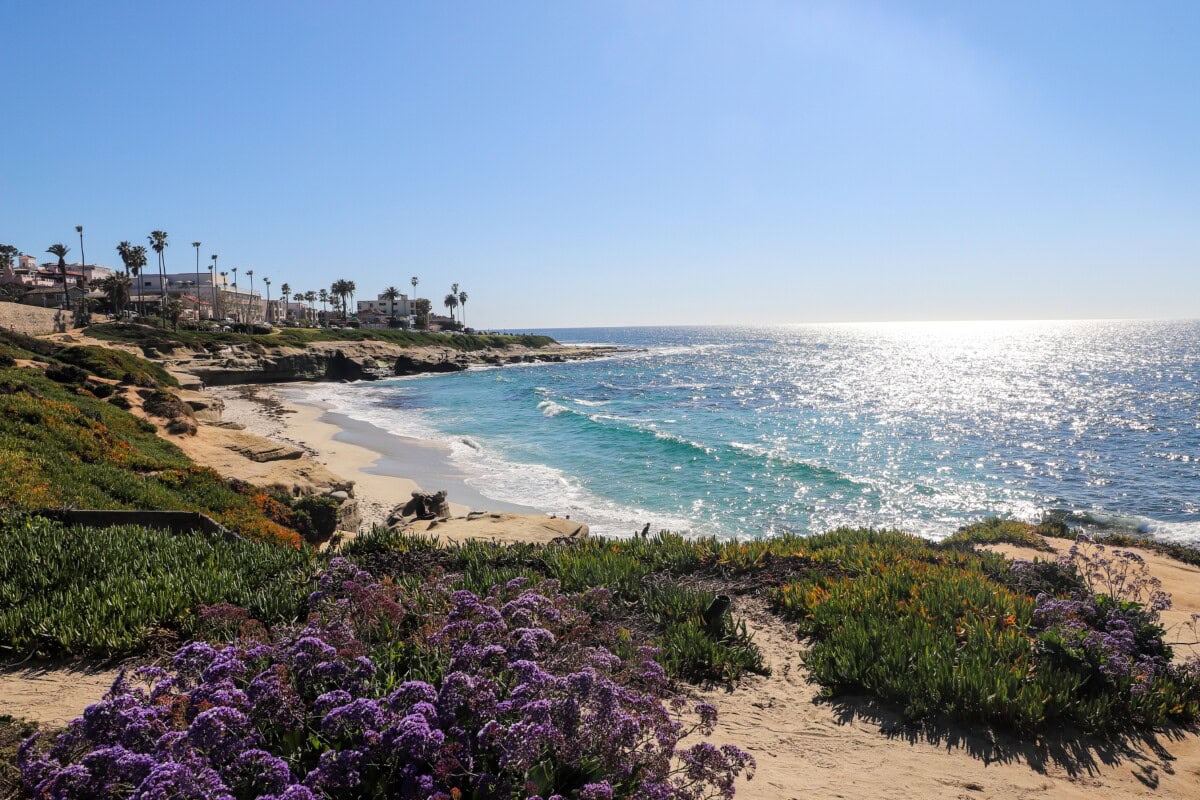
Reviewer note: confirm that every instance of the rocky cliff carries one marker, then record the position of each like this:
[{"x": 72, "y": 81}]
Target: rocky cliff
[{"x": 367, "y": 360}]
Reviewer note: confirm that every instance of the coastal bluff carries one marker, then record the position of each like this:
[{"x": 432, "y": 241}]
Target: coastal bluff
[{"x": 349, "y": 360}]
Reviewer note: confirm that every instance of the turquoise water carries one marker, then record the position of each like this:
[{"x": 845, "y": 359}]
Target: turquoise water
[{"x": 754, "y": 431}]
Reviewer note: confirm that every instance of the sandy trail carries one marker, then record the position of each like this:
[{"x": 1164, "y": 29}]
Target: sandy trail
[
  {"x": 52, "y": 694},
  {"x": 853, "y": 748}
]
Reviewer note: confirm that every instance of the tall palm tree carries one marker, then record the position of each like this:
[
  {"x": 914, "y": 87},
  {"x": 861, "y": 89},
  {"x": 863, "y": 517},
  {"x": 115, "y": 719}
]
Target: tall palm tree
[
  {"x": 213, "y": 272},
  {"x": 252, "y": 314},
  {"x": 341, "y": 289},
  {"x": 138, "y": 258},
  {"x": 451, "y": 302},
  {"x": 462, "y": 299},
  {"x": 350, "y": 287},
  {"x": 82, "y": 257},
  {"x": 286, "y": 291},
  {"x": 212, "y": 279},
  {"x": 391, "y": 294},
  {"x": 414, "y": 281},
  {"x": 267, "y": 281},
  {"x": 335, "y": 294},
  {"x": 324, "y": 295},
  {"x": 237, "y": 301},
  {"x": 123, "y": 250},
  {"x": 158, "y": 242},
  {"x": 197, "y": 246},
  {"x": 59, "y": 249}
]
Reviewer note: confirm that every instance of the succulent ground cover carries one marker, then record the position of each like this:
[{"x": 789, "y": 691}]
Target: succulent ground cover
[
  {"x": 425, "y": 671},
  {"x": 1006, "y": 531},
  {"x": 111, "y": 592},
  {"x": 386, "y": 692},
  {"x": 1028, "y": 645}
]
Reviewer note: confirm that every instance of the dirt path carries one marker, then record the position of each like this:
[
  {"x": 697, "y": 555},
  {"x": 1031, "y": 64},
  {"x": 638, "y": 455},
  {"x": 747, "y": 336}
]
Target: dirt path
[{"x": 52, "y": 694}]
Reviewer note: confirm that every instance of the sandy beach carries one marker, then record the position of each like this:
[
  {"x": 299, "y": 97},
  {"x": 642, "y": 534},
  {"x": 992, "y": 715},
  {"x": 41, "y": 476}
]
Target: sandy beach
[{"x": 336, "y": 450}]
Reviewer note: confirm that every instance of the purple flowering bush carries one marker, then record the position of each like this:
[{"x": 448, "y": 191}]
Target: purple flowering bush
[
  {"x": 1105, "y": 639},
  {"x": 517, "y": 699},
  {"x": 1107, "y": 633}
]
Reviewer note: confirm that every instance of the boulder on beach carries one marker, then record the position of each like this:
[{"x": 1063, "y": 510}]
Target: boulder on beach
[{"x": 422, "y": 506}]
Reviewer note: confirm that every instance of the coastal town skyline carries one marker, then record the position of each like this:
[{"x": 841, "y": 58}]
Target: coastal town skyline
[{"x": 786, "y": 164}]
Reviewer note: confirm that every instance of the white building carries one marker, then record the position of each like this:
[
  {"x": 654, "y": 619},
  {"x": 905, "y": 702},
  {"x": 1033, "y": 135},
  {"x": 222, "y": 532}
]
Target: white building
[
  {"x": 300, "y": 312},
  {"x": 197, "y": 295},
  {"x": 388, "y": 308}
]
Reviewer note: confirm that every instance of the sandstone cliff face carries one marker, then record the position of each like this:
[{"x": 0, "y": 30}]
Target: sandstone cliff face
[{"x": 351, "y": 361}]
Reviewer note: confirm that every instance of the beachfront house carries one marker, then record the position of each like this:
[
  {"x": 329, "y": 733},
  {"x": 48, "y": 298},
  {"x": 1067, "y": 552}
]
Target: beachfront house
[
  {"x": 385, "y": 308},
  {"x": 281, "y": 312},
  {"x": 196, "y": 292}
]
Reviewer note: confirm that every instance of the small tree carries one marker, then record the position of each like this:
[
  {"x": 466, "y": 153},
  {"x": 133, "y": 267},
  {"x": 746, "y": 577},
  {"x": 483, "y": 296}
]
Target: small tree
[
  {"x": 421, "y": 308},
  {"x": 173, "y": 310},
  {"x": 117, "y": 288},
  {"x": 8, "y": 256}
]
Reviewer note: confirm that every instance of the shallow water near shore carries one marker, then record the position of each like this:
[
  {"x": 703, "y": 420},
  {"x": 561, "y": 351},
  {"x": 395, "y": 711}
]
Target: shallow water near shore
[{"x": 755, "y": 431}]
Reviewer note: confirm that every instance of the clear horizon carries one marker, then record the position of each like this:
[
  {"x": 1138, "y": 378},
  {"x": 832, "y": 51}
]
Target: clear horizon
[{"x": 607, "y": 165}]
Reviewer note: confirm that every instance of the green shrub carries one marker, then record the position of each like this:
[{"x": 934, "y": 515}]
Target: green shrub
[
  {"x": 120, "y": 401},
  {"x": 108, "y": 362},
  {"x": 999, "y": 531},
  {"x": 104, "y": 592},
  {"x": 23, "y": 346},
  {"x": 316, "y": 517},
  {"x": 66, "y": 373},
  {"x": 932, "y": 634}
]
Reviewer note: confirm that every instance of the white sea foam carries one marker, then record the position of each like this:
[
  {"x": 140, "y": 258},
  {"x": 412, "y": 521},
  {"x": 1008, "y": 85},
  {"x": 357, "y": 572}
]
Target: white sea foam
[
  {"x": 488, "y": 472},
  {"x": 549, "y": 408}
]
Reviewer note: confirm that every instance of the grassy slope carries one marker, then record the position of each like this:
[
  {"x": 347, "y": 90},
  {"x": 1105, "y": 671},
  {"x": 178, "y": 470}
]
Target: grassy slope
[
  {"x": 61, "y": 446},
  {"x": 299, "y": 337}
]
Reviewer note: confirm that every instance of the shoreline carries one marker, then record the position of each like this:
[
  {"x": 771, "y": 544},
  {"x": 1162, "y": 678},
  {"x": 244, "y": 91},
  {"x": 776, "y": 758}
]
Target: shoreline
[{"x": 385, "y": 468}]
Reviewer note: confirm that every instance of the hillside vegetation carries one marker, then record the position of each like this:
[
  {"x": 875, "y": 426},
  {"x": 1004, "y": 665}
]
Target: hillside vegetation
[
  {"x": 167, "y": 340},
  {"x": 62, "y": 445}
]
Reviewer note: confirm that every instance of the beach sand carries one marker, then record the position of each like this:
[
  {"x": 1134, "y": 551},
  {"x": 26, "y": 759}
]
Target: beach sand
[{"x": 338, "y": 448}]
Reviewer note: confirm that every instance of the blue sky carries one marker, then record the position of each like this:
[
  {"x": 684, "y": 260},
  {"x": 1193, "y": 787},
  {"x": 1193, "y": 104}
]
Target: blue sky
[{"x": 628, "y": 163}]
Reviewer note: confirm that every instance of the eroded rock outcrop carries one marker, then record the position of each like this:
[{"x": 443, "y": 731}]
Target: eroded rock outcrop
[{"x": 351, "y": 361}]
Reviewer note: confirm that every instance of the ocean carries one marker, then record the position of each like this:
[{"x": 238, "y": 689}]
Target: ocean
[{"x": 753, "y": 431}]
